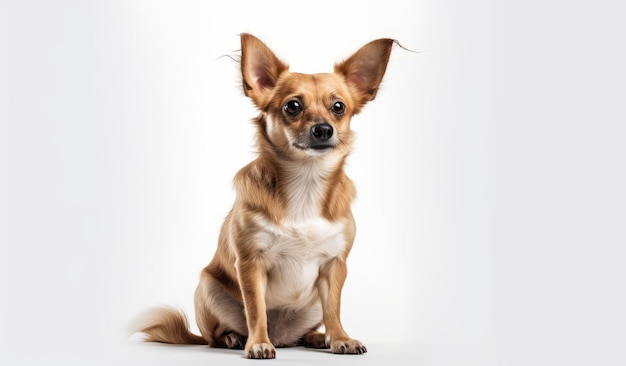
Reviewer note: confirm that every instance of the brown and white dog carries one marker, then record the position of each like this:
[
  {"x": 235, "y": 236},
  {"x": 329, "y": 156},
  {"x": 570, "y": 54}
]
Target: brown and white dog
[{"x": 280, "y": 264}]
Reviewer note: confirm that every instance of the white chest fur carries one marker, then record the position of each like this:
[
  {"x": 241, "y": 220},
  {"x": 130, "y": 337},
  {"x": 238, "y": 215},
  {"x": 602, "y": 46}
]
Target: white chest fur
[
  {"x": 295, "y": 250},
  {"x": 294, "y": 256}
]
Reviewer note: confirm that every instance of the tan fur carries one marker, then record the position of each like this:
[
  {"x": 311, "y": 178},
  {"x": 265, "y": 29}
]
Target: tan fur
[
  {"x": 166, "y": 325},
  {"x": 280, "y": 264}
]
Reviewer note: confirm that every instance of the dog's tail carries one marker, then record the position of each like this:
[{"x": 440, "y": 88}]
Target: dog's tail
[{"x": 165, "y": 325}]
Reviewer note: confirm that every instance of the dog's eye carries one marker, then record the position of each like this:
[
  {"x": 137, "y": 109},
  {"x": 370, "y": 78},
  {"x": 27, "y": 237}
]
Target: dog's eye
[
  {"x": 339, "y": 108},
  {"x": 293, "y": 107}
]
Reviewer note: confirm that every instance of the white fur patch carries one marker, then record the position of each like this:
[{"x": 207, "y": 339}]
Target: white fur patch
[
  {"x": 307, "y": 184},
  {"x": 294, "y": 255},
  {"x": 270, "y": 128}
]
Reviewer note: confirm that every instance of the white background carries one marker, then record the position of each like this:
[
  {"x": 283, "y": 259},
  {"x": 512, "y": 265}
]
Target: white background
[{"x": 490, "y": 169}]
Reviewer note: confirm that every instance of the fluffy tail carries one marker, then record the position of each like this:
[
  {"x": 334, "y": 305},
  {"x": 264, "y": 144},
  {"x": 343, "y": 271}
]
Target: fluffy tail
[{"x": 165, "y": 325}]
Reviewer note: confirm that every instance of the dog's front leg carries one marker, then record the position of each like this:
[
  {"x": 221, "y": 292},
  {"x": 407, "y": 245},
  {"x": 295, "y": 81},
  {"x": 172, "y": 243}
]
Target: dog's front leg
[
  {"x": 330, "y": 284},
  {"x": 253, "y": 281}
]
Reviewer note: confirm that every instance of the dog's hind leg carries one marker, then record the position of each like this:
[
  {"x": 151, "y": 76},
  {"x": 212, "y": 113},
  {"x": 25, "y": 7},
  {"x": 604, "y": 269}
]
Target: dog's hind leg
[
  {"x": 220, "y": 317},
  {"x": 314, "y": 339}
]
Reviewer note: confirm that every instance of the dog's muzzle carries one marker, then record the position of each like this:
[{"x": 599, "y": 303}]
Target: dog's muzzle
[{"x": 321, "y": 134}]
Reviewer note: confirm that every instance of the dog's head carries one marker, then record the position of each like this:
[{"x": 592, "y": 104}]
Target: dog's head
[{"x": 305, "y": 115}]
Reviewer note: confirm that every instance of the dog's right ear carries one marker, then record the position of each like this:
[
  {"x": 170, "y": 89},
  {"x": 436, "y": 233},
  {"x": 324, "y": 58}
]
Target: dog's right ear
[{"x": 260, "y": 69}]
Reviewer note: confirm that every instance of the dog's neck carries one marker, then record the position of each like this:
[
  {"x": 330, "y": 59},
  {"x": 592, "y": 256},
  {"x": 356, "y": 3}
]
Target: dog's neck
[{"x": 306, "y": 185}]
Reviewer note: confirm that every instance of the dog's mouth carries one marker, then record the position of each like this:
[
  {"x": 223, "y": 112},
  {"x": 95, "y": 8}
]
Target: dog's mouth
[
  {"x": 321, "y": 146},
  {"x": 317, "y": 147}
]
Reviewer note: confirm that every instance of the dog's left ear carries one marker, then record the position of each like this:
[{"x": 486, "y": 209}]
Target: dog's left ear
[
  {"x": 364, "y": 70},
  {"x": 260, "y": 69}
]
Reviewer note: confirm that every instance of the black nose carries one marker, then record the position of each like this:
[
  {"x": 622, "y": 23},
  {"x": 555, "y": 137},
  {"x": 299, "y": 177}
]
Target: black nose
[{"x": 322, "y": 131}]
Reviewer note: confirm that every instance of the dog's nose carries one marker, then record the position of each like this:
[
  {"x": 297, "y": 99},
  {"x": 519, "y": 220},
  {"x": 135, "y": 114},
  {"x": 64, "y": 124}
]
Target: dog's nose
[{"x": 322, "y": 131}]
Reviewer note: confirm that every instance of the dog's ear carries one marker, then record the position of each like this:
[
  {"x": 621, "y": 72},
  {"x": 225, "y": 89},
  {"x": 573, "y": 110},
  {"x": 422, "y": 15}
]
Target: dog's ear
[
  {"x": 364, "y": 70},
  {"x": 260, "y": 69}
]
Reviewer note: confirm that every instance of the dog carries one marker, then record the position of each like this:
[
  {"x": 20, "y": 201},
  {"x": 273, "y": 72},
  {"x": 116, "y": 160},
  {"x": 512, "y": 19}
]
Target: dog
[{"x": 280, "y": 263}]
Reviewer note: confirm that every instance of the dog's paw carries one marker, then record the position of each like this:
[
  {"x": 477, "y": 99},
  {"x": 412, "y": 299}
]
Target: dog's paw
[
  {"x": 233, "y": 340},
  {"x": 314, "y": 339},
  {"x": 261, "y": 351},
  {"x": 349, "y": 346}
]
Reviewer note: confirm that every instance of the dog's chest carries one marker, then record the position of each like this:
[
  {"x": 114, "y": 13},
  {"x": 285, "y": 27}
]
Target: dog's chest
[
  {"x": 295, "y": 249},
  {"x": 294, "y": 255}
]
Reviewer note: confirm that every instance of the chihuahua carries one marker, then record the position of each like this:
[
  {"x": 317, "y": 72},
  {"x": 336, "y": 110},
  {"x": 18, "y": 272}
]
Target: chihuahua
[{"x": 280, "y": 263}]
